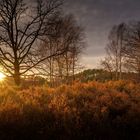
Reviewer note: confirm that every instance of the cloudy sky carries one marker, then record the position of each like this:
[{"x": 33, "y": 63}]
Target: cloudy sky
[{"x": 98, "y": 17}]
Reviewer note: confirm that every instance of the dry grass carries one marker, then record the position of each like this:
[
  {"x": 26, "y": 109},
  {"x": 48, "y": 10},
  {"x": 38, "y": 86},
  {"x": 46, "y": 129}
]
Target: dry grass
[{"x": 96, "y": 111}]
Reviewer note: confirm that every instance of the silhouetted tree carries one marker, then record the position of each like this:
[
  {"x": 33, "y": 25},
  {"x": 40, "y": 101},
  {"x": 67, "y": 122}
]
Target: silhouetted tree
[
  {"x": 107, "y": 65},
  {"x": 67, "y": 35},
  {"x": 132, "y": 47},
  {"x": 22, "y": 25},
  {"x": 114, "y": 49}
]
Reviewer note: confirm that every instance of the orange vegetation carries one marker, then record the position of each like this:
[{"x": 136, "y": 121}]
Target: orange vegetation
[{"x": 109, "y": 111}]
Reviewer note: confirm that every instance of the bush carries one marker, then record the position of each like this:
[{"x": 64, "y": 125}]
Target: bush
[{"x": 97, "y": 111}]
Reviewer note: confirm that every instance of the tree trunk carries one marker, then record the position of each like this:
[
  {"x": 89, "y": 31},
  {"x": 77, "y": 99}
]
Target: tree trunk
[
  {"x": 17, "y": 79},
  {"x": 73, "y": 70},
  {"x": 16, "y": 76},
  {"x": 120, "y": 65},
  {"x": 67, "y": 69}
]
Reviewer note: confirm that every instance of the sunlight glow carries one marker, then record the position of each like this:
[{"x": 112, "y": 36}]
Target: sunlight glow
[{"x": 2, "y": 76}]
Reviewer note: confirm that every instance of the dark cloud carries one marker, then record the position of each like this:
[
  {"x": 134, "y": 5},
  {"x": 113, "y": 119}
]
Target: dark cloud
[{"x": 98, "y": 16}]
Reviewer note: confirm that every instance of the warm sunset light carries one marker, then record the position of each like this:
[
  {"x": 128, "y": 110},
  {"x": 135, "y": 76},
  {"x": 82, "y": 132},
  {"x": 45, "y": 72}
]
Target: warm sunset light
[
  {"x": 2, "y": 76},
  {"x": 70, "y": 69}
]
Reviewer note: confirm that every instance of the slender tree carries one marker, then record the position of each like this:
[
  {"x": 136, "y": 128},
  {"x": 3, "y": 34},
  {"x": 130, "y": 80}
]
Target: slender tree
[
  {"x": 114, "y": 50},
  {"x": 132, "y": 47},
  {"x": 107, "y": 65},
  {"x": 67, "y": 35}
]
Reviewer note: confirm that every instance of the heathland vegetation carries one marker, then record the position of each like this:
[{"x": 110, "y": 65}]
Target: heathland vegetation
[{"x": 91, "y": 110}]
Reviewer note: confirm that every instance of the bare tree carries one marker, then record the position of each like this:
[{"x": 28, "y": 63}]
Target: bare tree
[
  {"x": 132, "y": 47},
  {"x": 68, "y": 35},
  {"x": 22, "y": 25},
  {"x": 107, "y": 65},
  {"x": 121, "y": 30},
  {"x": 114, "y": 50}
]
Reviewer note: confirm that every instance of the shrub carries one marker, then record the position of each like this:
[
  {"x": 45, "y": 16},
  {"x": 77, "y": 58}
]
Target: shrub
[{"x": 91, "y": 110}]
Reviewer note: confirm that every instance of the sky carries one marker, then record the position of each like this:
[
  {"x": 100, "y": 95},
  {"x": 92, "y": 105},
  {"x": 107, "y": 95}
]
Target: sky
[{"x": 98, "y": 17}]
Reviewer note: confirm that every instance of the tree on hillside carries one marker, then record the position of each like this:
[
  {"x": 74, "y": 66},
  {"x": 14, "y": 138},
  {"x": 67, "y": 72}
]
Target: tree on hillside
[
  {"x": 22, "y": 25},
  {"x": 107, "y": 65}
]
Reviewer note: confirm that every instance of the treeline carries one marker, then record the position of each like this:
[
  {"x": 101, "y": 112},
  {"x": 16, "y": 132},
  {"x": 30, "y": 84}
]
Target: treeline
[
  {"x": 123, "y": 50},
  {"x": 99, "y": 75},
  {"x": 102, "y": 75},
  {"x": 38, "y": 39},
  {"x": 122, "y": 61}
]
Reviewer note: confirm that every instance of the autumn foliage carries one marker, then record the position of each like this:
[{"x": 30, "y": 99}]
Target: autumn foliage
[{"x": 96, "y": 111}]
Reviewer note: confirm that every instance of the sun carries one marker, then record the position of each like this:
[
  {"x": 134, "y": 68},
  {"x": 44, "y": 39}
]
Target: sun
[{"x": 2, "y": 76}]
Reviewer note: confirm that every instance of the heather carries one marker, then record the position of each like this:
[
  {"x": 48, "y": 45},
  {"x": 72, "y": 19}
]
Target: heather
[{"x": 93, "y": 110}]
